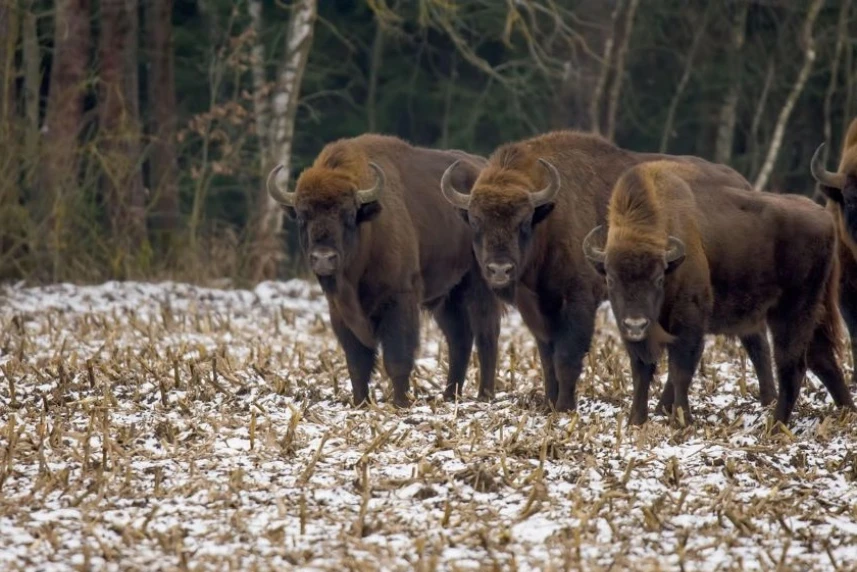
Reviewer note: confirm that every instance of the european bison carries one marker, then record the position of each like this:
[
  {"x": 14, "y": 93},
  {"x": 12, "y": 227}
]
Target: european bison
[
  {"x": 684, "y": 257},
  {"x": 382, "y": 241},
  {"x": 529, "y": 210},
  {"x": 840, "y": 189}
]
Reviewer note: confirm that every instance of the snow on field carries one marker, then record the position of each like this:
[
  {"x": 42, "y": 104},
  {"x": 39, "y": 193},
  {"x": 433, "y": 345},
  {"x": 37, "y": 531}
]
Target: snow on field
[{"x": 167, "y": 426}]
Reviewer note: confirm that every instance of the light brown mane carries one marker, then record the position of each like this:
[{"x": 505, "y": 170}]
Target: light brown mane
[{"x": 635, "y": 217}]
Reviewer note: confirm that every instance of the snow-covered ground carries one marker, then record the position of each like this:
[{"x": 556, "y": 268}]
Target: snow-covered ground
[{"x": 164, "y": 426}]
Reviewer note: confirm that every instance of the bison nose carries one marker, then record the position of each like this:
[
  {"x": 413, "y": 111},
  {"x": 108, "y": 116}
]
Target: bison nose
[
  {"x": 323, "y": 260},
  {"x": 499, "y": 273},
  {"x": 636, "y": 327}
]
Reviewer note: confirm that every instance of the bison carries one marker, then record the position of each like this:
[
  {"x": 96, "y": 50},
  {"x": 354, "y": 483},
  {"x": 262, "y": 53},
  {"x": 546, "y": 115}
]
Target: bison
[
  {"x": 382, "y": 242},
  {"x": 684, "y": 257},
  {"x": 530, "y": 209},
  {"x": 840, "y": 190}
]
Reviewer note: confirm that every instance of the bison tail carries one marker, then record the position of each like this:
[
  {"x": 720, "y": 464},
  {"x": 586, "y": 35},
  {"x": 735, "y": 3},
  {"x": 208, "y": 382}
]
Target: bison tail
[{"x": 830, "y": 322}]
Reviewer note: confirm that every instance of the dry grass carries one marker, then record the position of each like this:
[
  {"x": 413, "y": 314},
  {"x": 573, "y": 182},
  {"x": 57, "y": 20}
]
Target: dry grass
[{"x": 172, "y": 427}]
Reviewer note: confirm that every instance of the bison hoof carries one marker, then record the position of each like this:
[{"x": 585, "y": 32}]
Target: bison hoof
[
  {"x": 485, "y": 396},
  {"x": 767, "y": 398},
  {"x": 638, "y": 418},
  {"x": 451, "y": 395},
  {"x": 564, "y": 405},
  {"x": 401, "y": 402}
]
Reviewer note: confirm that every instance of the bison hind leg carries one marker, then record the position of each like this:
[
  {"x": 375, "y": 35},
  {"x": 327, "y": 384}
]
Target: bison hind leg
[
  {"x": 759, "y": 351},
  {"x": 821, "y": 360}
]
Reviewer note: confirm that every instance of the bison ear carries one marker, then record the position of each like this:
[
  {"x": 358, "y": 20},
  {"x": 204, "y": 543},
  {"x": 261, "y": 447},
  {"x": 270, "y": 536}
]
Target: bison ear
[
  {"x": 542, "y": 212},
  {"x": 368, "y": 211}
]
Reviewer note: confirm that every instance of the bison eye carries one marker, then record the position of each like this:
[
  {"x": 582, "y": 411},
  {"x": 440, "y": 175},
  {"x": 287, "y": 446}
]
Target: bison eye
[
  {"x": 659, "y": 281},
  {"x": 609, "y": 281}
]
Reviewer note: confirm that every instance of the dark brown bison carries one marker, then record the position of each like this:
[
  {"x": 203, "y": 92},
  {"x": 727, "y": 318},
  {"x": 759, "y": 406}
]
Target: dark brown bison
[
  {"x": 530, "y": 210},
  {"x": 840, "y": 190},
  {"x": 382, "y": 242},
  {"x": 684, "y": 257}
]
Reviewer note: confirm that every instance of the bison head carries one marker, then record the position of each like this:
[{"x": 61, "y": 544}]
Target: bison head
[
  {"x": 328, "y": 208},
  {"x": 635, "y": 279},
  {"x": 502, "y": 216},
  {"x": 841, "y": 188}
]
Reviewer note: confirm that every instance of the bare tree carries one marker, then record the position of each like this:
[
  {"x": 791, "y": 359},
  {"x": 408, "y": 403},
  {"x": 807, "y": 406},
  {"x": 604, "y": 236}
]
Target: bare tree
[
  {"x": 374, "y": 67},
  {"x": 619, "y": 68},
  {"x": 32, "y": 79},
  {"x": 685, "y": 78},
  {"x": 8, "y": 43},
  {"x": 759, "y": 113},
  {"x": 277, "y": 146},
  {"x": 64, "y": 117},
  {"x": 808, "y": 44},
  {"x": 729, "y": 110},
  {"x": 604, "y": 73},
  {"x": 162, "y": 101},
  {"x": 119, "y": 127},
  {"x": 841, "y": 39}
]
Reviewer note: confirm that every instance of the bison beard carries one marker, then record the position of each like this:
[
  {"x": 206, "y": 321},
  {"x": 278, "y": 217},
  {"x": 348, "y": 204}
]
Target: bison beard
[
  {"x": 532, "y": 206},
  {"x": 728, "y": 233},
  {"x": 383, "y": 242}
]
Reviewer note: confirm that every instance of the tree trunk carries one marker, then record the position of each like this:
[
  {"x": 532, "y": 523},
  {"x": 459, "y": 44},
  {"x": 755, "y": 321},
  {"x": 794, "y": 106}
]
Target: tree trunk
[
  {"x": 779, "y": 130},
  {"x": 119, "y": 129},
  {"x": 619, "y": 73},
  {"x": 604, "y": 73},
  {"x": 163, "y": 166},
  {"x": 374, "y": 67},
  {"x": 284, "y": 110},
  {"x": 682, "y": 83},
  {"x": 841, "y": 38},
  {"x": 8, "y": 44},
  {"x": 729, "y": 111},
  {"x": 261, "y": 107},
  {"x": 32, "y": 61},
  {"x": 759, "y": 114},
  {"x": 64, "y": 119},
  {"x": 9, "y": 158}
]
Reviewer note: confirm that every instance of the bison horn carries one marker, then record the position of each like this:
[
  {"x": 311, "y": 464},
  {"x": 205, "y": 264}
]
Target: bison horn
[
  {"x": 547, "y": 194},
  {"x": 278, "y": 194},
  {"x": 822, "y": 175},
  {"x": 675, "y": 250},
  {"x": 459, "y": 200},
  {"x": 591, "y": 251},
  {"x": 373, "y": 193}
]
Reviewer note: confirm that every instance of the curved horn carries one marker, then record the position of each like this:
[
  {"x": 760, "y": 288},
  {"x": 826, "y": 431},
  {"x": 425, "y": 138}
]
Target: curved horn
[
  {"x": 591, "y": 251},
  {"x": 278, "y": 194},
  {"x": 547, "y": 194},
  {"x": 373, "y": 193},
  {"x": 675, "y": 250},
  {"x": 457, "y": 199},
  {"x": 822, "y": 175}
]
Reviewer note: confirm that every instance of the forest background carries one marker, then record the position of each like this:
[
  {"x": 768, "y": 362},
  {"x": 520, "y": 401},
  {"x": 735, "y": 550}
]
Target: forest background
[{"x": 136, "y": 135}]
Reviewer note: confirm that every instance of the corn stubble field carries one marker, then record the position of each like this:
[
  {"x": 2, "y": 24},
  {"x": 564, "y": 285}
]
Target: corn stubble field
[{"x": 167, "y": 426}]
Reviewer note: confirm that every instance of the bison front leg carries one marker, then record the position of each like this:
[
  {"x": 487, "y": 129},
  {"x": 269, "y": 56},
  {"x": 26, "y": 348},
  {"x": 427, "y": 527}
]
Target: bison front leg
[
  {"x": 759, "y": 351},
  {"x": 821, "y": 360},
  {"x": 684, "y": 356},
  {"x": 483, "y": 312},
  {"x": 570, "y": 346},
  {"x": 451, "y": 317},
  {"x": 359, "y": 359},
  {"x": 548, "y": 372},
  {"x": 399, "y": 332},
  {"x": 642, "y": 374}
]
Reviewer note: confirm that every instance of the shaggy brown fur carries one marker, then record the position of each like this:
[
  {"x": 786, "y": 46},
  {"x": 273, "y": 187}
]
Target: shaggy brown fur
[
  {"x": 553, "y": 287},
  {"x": 750, "y": 259},
  {"x": 407, "y": 249},
  {"x": 842, "y": 205}
]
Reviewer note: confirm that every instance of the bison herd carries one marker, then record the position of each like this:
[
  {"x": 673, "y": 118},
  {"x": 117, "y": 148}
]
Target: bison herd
[{"x": 559, "y": 223}]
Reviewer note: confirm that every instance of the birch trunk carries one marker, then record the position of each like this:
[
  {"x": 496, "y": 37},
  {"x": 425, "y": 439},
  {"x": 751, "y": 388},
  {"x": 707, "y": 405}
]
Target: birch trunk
[
  {"x": 162, "y": 100},
  {"x": 604, "y": 73},
  {"x": 260, "y": 88},
  {"x": 729, "y": 111},
  {"x": 285, "y": 105},
  {"x": 682, "y": 84},
  {"x": 619, "y": 74},
  {"x": 779, "y": 130}
]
